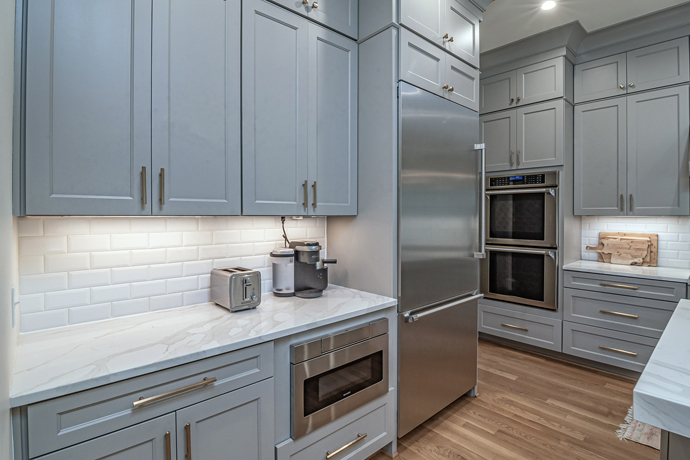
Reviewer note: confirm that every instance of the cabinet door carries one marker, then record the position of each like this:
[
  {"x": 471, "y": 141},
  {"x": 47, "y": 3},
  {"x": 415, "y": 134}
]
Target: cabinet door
[
  {"x": 196, "y": 107},
  {"x": 658, "y": 133},
  {"x": 497, "y": 92},
  {"x": 425, "y": 17},
  {"x": 659, "y": 65},
  {"x": 499, "y": 133},
  {"x": 600, "y": 158},
  {"x": 332, "y": 123},
  {"x": 600, "y": 79},
  {"x": 464, "y": 83},
  {"x": 540, "y": 134},
  {"x": 152, "y": 440},
  {"x": 541, "y": 81},
  {"x": 463, "y": 27},
  {"x": 421, "y": 63},
  {"x": 341, "y": 15},
  {"x": 237, "y": 425},
  {"x": 88, "y": 107},
  {"x": 275, "y": 91}
]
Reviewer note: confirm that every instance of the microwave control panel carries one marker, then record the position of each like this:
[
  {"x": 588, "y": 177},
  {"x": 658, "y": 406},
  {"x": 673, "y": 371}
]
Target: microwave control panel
[{"x": 549, "y": 179}]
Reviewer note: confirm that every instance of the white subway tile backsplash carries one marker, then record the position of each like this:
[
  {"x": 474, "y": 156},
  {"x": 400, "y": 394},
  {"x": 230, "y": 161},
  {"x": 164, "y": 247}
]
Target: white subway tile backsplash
[{"x": 80, "y": 269}]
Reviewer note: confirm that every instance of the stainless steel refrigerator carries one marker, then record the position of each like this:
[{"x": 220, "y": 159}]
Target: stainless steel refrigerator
[{"x": 439, "y": 250}]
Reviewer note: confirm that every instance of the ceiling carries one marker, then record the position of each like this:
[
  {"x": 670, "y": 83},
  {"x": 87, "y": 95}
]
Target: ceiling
[{"x": 506, "y": 21}]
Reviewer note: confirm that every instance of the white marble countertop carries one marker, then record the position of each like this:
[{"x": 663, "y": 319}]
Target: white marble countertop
[
  {"x": 659, "y": 273},
  {"x": 61, "y": 361},
  {"x": 662, "y": 394}
]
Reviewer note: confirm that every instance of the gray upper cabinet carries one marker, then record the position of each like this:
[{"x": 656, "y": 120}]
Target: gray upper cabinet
[
  {"x": 499, "y": 134},
  {"x": 463, "y": 82},
  {"x": 426, "y": 17},
  {"x": 88, "y": 107},
  {"x": 601, "y": 78},
  {"x": 659, "y": 65},
  {"x": 340, "y": 15},
  {"x": 600, "y": 158},
  {"x": 332, "y": 123},
  {"x": 541, "y": 81},
  {"x": 238, "y": 425},
  {"x": 275, "y": 111},
  {"x": 540, "y": 135},
  {"x": 498, "y": 92},
  {"x": 196, "y": 108},
  {"x": 152, "y": 440},
  {"x": 658, "y": 136}
]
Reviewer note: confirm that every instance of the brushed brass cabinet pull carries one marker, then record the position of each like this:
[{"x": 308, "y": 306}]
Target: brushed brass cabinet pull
[
  {"x": 162, "y": 191},
  {"x": 315, "y": 5},
  {"x": 144, "y": 198},
  {"x": 622, "y": 203},
  {"x": 512, "y": 99},
  {"x": 306, "y": 195},
  {"x": 622, "y": 286},
  {"x": 519, "y": 99},
  {"x": 631, "y": 84},
  {"x": 305, "y": 2},
  {"x": 512, "y": 158},
  {"x": 623, "y": 352},
  {"x": 617, "y": 313},
  {"x": 314, "y": 203},
  {"x": 188, "y": 434},
  {"x": 451, "y": 89},
  {"x": 445, "y": 87},
  {"x": 330, "y": 455},
  {"x": 518, "y": 158},
  {"x": 143, "y": 401},
  {"x": 631, "y": 202},
  {"x": 621, "y": 86},
  {"x": 515, "y": 327},
  {"x": 168, "y": 447}
]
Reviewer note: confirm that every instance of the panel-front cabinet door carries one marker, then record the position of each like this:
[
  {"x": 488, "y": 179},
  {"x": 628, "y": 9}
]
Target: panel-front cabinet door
[
  {"x": 152, "y": 440},
  {"x": 541, "y": 81},
  {"x": 275, "y": 94},
  {"x": 196, "y": 107},
  {"x": 600, "y": 79},
  {"x": 499, "y": 133},
  {"x": 426, "y": 17},
  {"x": 463, "y": 27},
  {"x": 332, "y": 123},
  {"x": 659, "y": 65},
  {"x": 464, "y": 83},
  {"x": 88, "y": 107},
  {"x": 658, "y": 133},
  {"x": 422, "y": 64},
  {"x": 540, "y": 131},
  {"x": 236, "y": 425},
  {"x": 600, "y": 158},
  {"x": 341, "y": 15},
  {"x": 497, "y": 92}
]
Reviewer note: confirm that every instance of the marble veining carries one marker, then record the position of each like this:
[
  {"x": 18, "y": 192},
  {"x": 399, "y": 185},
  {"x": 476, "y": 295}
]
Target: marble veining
[
  {"x": 662, "y": 394},
  {"x": 61, "y": 361},
  {"x": 659, "y": 273}
]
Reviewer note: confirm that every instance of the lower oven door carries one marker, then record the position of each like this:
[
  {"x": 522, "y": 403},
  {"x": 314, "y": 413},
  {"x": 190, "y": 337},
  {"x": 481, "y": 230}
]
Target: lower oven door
[
  {"x": 329, "y": 386},
  {"x": 521, "y": 275}
]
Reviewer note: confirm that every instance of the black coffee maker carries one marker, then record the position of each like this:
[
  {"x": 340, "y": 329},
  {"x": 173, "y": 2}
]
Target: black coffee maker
[{"x": 311, "y": 272}]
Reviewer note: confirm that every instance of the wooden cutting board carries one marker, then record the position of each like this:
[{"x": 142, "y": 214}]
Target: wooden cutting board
[{"x": 627, "y": 248}]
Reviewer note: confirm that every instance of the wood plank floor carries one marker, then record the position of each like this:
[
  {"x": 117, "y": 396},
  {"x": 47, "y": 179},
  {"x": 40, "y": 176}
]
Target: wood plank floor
[{"x": 530, "y": 407}]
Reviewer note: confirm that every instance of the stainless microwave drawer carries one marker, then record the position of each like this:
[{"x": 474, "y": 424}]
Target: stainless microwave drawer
[
  {"x": 68, "y": 420},
  {"x": 621, "y": 313},
  {"x": 521, "y": 327},
  {"x": 634, "y": 287}
]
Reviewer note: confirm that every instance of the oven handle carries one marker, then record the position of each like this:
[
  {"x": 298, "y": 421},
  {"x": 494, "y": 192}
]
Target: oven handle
[
  {"x": 412, "y": 318},
  {"x": 544, "y": 252},
  {"x": 482, "y": 235},
  {"x": 521, "y": 191}
]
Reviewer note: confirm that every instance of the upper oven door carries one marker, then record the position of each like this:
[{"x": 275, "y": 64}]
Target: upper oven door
[{"x": 523, "y": 217}]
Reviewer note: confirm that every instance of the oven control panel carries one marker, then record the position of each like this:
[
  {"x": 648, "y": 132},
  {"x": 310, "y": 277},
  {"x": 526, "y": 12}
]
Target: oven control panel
[{"x": 549, "y": 179}]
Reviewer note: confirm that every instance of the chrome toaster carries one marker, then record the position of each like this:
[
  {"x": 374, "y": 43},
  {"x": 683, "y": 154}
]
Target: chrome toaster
[{"x": 236, "y": 288}]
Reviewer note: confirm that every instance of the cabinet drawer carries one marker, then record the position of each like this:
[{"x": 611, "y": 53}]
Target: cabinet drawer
[
  {"x": 375, "y": 423},
  {"x": 634, "y": 287},
  {"x": 521, "y": 327},
  {"x": 68, "y": 420},
  {"x": 619, "y": 349},
  {"x": 621, "y": 313}
]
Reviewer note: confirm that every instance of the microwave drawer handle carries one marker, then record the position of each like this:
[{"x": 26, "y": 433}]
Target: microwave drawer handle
[
  {"x": 170, "y": 394},
  {"x": 412, "y": 318},
  {"x": 522, "y": 251},
  {"x": 520, "y": 191},
  {"x": 330, "y": 455}
]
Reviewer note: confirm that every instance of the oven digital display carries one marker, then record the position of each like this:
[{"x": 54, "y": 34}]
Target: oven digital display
[
  {"x": 506, "y": 181},
  {"x": 512, "y": 178}
]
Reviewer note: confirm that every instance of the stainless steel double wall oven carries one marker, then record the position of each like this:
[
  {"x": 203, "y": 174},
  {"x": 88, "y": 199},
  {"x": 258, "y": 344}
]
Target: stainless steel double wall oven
[{"x": 521, "y": 264}]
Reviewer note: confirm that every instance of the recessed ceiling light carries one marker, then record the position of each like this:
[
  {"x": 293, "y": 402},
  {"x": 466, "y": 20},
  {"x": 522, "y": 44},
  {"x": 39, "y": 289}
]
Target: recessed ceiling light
[{"x": 548, "y": 5}]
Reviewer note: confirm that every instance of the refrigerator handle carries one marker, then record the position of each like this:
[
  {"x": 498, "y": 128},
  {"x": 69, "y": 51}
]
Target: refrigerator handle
[
  {"x": 482, "y": 233},
  {"x": 410, "y": 318}
]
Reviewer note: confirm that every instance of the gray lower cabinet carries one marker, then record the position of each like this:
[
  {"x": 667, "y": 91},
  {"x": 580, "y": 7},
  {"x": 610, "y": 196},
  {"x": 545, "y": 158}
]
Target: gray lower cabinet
[
  {"x": 340, "y": 15},
  {"x": 235, "y": 425},
  {"x": 499, "y": 134},
  {"x": 152, "y": 440},
  {"x": 602, "y": 78},
  {"x": 88, "y": 107},
  {"x": 196, "y": 108}
]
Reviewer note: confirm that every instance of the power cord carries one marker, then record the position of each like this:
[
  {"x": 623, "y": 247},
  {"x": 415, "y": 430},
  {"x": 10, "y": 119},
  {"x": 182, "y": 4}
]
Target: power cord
[{"x": 282, "y": 222}]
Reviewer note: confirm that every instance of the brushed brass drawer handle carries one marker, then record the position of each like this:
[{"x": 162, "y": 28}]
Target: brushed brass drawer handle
[
  {"x": 144, "y": 198},
  {"x": 314, "y": 203},
  {"x": 168, "y": 447},
  {"x": 162, "y": 183},
  {"x": 630, "y": 353},
  {"x": 306, "y": 194},
  {"x": 515, "y": 327},
  {"x": 616, "y": 313},
  {"x": 330, "y": 455},
  {"x": 169, "y": 394},
  {"x": 621, "y": 286},
  {"x": 188, "y": 433}
]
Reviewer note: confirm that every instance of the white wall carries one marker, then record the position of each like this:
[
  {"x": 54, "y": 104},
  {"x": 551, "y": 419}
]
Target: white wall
[
  {"x": 674, "y": 235},
  {"x": 8, "y": 270},
  {"x": 79, "y": 269}
]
